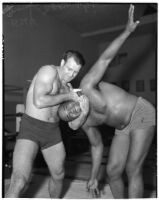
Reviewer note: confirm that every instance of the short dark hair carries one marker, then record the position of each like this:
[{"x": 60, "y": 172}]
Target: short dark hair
[{"x": 75, "y": 54}]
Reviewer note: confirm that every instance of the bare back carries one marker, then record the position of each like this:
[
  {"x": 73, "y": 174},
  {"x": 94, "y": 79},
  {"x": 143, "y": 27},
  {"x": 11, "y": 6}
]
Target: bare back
[{"x": 116, "y": 109}]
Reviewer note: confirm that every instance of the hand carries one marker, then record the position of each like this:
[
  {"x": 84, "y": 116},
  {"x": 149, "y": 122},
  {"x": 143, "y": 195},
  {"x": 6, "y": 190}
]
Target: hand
[
  {"x": 131, "y": 25},
  {"x": 70, "y": 86},
  {"x": 73, "y": 96},
  {"x": 92, "y": 187},
  {"x": 84, "y": 103}
]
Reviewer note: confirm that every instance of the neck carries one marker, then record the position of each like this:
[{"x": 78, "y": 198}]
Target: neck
[{"x": 60, "y": 76}]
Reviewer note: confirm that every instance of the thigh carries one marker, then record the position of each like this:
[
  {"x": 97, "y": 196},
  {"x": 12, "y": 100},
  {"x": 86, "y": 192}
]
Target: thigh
[
  {"x": 24, "y": 155},
  {"x": 54, "y": 156},
  {"x": 119, "y": 150},
  {"x": 141, "y": 140}
]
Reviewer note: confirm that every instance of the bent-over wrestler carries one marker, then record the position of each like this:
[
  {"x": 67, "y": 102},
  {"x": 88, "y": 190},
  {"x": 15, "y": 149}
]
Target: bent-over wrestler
[{"x": 133, "y": 118}]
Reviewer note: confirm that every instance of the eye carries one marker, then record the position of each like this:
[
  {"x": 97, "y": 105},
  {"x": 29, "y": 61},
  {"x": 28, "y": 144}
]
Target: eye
[{"x": 69, "y": 69}]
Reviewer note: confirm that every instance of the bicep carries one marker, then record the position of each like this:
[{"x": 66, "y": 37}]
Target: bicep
[{"x": 43, "y": 83}]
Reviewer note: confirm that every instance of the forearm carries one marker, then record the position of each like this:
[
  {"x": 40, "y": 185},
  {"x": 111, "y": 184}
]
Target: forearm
[
  {"x": 99, "y": 68},
  {"x": 50, "y": 100},
  {"x": 84, "y": 105},
  {"x": 113, "y": 48},
  {"x": 97, "y": 153},
  {"x": 77, "y": 123}
]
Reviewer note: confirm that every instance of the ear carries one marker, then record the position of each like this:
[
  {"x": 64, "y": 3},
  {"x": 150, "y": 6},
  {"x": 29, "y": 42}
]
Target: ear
[{"x": 62, "y": 62}]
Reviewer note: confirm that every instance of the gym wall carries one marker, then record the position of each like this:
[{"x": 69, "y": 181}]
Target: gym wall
[
  {"x": 32, "y": 42},
  {"x": 135, "y": 65}
]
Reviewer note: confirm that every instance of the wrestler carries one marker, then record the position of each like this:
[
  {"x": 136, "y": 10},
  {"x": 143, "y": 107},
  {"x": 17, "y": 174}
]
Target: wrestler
[
  {"x": 40, "y": 124},
  {"x": 133, "y": 118}
]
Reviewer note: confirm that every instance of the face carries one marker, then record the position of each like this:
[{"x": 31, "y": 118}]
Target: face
[
  {"x": 73, "y": 109},
  {"x": 70, "y": 70}
]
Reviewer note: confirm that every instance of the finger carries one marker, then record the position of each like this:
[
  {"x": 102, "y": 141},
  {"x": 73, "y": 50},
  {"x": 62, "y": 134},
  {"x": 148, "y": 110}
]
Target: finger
[
  {"x": 94, "y": 193},
  {"x": 131, "y": 12},
  {"x": 97, "y": 192},
  {"x": 130, "y": 8}
]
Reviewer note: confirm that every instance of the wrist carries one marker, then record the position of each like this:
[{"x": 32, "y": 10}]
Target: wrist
[{"x": 128, "y": 31}]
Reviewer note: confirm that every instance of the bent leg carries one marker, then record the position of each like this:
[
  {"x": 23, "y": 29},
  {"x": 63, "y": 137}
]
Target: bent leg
[
  {"x": 23, "y": 157},
  {"x": 55, "y": 157},
  {"x": 141, "y": 140},
  {"x": 116, "y": 164}
]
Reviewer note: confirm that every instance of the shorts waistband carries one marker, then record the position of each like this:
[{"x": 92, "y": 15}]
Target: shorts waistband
[{"x": 40, "y": 123}]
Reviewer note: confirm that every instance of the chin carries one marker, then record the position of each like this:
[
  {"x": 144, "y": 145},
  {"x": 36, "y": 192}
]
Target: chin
[{"x": 69, "y": 80}]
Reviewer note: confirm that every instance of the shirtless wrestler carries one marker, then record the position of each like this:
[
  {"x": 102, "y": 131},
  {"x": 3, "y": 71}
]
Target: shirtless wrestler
[
  {"x": 132, "y": 117},
  {"x": 40, "y": 124}
]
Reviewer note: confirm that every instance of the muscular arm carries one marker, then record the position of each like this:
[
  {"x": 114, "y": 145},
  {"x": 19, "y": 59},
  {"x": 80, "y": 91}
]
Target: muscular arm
[
  {"x": 97, "y": 71},
  {"x": 44, "y": 86},
  {"x": 96, "y": 150},
  {"x": 84, "y": 105}
]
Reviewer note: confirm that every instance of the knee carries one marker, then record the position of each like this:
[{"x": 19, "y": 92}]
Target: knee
[
  {"x": 114, "y": 171},
  {"x": 133, "y": 169},
  {"x": 18, "y": 180},
  {"x": 58, "y": 172}
]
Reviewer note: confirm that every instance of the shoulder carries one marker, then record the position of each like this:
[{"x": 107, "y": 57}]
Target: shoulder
[
  {"x": 49, "y": 70},
  {"x": 47, "y": 73}
]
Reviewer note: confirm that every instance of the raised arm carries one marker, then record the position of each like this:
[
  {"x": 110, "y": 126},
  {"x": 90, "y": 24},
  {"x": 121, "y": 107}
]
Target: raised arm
[
  {"x": 97, "y": 71},
  {"x": 44, "y": 94}
]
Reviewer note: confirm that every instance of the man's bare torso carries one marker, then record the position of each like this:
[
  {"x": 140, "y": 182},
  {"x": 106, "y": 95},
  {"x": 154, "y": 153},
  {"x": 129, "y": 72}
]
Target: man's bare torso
[
  {"x": 48, "y": 114},
  {"x": 117, "y": 109}
]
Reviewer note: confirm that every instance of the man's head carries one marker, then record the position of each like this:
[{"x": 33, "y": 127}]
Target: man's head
[
  {"x": 69, "y": 110},
  {"x": 71, "y": 63}
]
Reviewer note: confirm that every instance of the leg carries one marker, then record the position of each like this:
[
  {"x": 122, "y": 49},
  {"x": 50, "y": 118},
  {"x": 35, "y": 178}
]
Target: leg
[
  {"x": 24, "y": 154},
  {"x": 116, "y": 164},
  {"x": 140, "y": 143},
  {"x": 54, "y": 157}
]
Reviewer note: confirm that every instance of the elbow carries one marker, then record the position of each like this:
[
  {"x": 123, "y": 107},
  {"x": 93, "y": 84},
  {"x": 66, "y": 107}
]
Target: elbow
[
  {"x": 73, "y": 126},
  {"x": 37, "y": 103},
  {"x": 98, "y": 144},
  {"x": 85, "y": 86}
]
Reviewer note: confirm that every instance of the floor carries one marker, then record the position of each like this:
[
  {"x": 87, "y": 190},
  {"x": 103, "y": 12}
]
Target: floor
[{"x": 77, "y": 173}]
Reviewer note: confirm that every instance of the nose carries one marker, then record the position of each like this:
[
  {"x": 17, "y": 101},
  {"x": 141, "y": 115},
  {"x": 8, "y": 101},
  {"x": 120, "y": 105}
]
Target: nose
[{"x": 71, "y": 74}]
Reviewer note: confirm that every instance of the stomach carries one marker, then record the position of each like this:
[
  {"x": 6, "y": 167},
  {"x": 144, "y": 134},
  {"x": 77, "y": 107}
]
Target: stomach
[
  {"x": 118, "y": 121},
  {"x": 116, "y": 114},
  {"x": 48, "y": 114}
]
